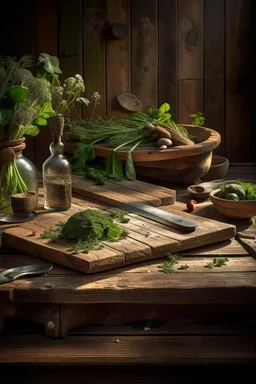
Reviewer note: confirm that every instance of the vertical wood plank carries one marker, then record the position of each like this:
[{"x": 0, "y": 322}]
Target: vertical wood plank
[
  {"x": 190, "y": 43},
  {"x": 117, "y": 57},
  {"x": 238, "y": 79},
  {"x": 253, "y": 92},
  {"x": 144, "y": 51},
  {"x": 94, "y": 25},
  {"x": 214, "y": 69},
  {"x": 190, "y": 99},
  {"x": 70, "y": 42},
  {"x": 167, "y": 73},
  {"x": 46, "y": 42},
  {"x": 190, "y": 57}
]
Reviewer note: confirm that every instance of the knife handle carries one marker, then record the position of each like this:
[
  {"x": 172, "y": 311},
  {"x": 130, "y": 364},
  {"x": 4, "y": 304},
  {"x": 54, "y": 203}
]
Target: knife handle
[{"x": 34, "y": 269}]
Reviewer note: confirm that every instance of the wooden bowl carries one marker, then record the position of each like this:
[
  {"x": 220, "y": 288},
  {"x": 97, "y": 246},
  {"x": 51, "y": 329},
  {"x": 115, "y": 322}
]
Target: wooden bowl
[
  {"x": 183, "y": 164},
  {"x": 218, "y": 169},
  {"x": 24, "y": 202},
  {"x": 235, "y": 210}
]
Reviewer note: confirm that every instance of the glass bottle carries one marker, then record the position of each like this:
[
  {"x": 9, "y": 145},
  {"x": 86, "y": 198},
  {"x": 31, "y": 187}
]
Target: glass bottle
[
  {"x": 57, "y": 180},
  {"x": 28, "y": 172}
]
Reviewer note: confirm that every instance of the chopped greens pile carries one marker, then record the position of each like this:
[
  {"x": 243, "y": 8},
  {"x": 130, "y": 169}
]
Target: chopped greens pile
[{"x": 88, "y": 228}]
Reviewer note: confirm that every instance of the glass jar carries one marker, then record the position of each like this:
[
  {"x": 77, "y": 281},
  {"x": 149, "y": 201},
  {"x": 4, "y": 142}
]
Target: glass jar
[
  {"x": 28, "y": 172},
  {"x": 17, "y": 173},
  {"x": 57, "y": 180}
]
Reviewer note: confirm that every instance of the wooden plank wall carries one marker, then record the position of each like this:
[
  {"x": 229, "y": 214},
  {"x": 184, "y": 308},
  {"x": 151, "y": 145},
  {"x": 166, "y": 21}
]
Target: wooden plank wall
[{"x": 194, "y": 54}]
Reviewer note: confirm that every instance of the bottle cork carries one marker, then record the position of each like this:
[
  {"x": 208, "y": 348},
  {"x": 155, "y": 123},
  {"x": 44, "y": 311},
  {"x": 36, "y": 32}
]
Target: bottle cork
[{"x": 56, "y": 124}]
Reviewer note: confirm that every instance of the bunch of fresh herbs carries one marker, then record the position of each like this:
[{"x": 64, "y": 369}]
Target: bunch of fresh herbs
[
  {"x": 127, "y": 134},
  {"x": 64, "y": 94}
]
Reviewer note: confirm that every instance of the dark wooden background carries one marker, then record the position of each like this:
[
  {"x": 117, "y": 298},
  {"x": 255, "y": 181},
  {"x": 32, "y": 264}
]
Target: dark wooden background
[{"x": 194, "y": 54}]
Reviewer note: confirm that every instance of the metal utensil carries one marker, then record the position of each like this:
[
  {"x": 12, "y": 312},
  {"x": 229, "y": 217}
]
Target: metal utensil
[
  {"x": 160, "y": 216},
  {"x": 9, "y": 218},
  {"x": 15, "y": 273}
]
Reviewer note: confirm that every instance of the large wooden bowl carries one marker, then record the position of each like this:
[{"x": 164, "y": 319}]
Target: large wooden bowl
[
  {"x": 184, "y": 164},
  {"x": 236, "y": 210}
]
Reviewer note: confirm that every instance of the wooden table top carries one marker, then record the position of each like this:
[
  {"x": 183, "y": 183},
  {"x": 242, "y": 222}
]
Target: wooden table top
[{"x": 145, "y": 282}]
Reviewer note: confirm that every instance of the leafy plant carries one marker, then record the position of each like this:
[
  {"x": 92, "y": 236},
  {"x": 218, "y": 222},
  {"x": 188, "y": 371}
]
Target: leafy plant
[
  {"x": 217, "y": 262},
  {"x": 25, "y": 106},
  {"x": 198, "y": 118},
  {"x": 64, "y": 95},
  {"x": 168, "y": 265}
]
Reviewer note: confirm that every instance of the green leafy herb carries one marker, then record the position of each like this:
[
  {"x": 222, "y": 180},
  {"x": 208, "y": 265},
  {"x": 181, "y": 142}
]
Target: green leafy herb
[
  {"x": 114, "y": 166},
  {"x": 184, "y": 267},
  {"x": 120, "y": 216},
  {"x": 87, "y": 229},
  {"x": 198, "y": 118},
  {"x": 217, "y": 262},
  {"x": 129, "y": 167},
  {"x": 82, "y": 154},
  {"x": 168, "y": 265}
]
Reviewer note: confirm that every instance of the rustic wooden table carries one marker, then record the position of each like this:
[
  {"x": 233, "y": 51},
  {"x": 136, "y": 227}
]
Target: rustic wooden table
[{"x": 136, "y": 315}]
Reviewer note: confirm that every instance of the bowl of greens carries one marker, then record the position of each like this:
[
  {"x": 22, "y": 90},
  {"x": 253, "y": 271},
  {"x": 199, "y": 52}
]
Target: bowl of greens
[{"x": 235, "y": 200}]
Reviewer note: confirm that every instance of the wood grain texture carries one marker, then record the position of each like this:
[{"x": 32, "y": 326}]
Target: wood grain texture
[
  {"x": 238, "y": 79},
  {"x": 118, "y": 67},
  {"x": 94, "y": 69},
  {"x": 71, "y": 42},
  {"x": 123, "y": 191},
  {"x": 190, "y": 43},
  {"x": 146, "y": 239},
  {"x": 151, "y": 350},
  {"x": 144, "y": 51},
  {"x": 214, "y": 69},
  {"x": 46, "y": 42},
  {"x": 167, "y": 54},
  {"x": 190, "y": 99}
]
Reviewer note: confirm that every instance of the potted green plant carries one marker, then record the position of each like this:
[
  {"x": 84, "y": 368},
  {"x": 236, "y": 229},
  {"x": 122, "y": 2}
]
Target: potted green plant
[{"x": 25, "y": 106}]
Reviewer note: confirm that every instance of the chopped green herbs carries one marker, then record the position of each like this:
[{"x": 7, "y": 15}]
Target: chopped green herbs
[
  {"x": 120, "y": 216},
  {"x": 168, "y": 265},
  {"x": 87, "y": 228},
  {"x": 217, "y": 262}
]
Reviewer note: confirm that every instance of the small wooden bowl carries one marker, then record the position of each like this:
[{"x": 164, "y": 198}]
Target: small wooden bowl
[
  {"x": 24, "y": 202},
  {"x": 235, "y": 210},
  {"x": 218, "y": 169}
]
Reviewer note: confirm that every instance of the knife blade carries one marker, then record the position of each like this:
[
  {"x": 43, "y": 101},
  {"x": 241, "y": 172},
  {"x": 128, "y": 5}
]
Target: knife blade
[
  {"x": 156, "y": 214},
  {"x": 14, "y": 273}
]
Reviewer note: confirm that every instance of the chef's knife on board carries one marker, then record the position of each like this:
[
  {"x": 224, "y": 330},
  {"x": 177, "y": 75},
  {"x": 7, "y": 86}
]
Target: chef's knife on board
[
  {"x": 156, "y": 214},
  {"x": 14, "y": 273}
]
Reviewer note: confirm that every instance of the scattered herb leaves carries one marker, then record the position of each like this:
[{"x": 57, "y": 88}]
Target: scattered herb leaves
[
  {"x": 120, "y": 216},
  {"x": 168, "y": 265},
  {"x": 217, "y": 262},
  {"x": 183, "y": 267}
]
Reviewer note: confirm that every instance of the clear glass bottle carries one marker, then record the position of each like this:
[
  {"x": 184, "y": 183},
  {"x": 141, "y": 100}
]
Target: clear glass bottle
[
  {"x": 57, "y": 180},
  {"x": 28, "y": 172}
]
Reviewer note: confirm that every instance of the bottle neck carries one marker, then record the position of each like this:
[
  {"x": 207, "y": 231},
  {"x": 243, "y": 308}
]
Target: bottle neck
[{"x": 56, "y": 148}]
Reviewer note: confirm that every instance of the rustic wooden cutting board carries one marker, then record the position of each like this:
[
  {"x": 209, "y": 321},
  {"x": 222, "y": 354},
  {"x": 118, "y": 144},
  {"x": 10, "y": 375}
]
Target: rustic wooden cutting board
[
  {"x": 146, "y": 240},
  {"x": 124, "y": 191}
]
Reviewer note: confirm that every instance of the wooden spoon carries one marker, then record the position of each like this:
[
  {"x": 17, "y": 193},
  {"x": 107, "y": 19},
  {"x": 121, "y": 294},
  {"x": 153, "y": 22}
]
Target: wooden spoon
[{"x": 130, "y": 102}]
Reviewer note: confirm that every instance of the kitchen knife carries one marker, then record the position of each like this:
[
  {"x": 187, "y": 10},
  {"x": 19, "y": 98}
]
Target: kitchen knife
[
  {"x": 14, "y": 273},
  {"x": 159, "y": 215}
]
